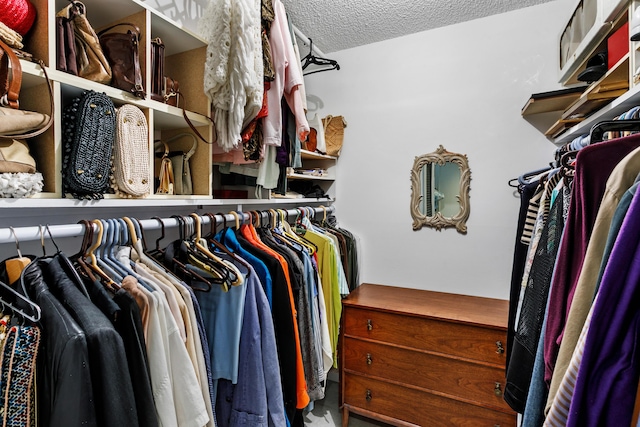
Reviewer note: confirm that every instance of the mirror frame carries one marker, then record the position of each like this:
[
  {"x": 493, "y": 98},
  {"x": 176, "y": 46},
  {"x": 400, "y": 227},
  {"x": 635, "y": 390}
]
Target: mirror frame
[{"x": 438, "y": 221}]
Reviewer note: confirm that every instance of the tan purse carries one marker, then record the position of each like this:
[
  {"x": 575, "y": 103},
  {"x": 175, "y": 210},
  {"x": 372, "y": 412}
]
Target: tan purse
[
  {"x": 334, "y": 134},
  {"x": 15, "y": 123},
  {"x": 165, "y": 171},
  {"x": 174, "y": 166},
  {"x": 91, "y": 61},
  {"x": 15, "y": 157}
]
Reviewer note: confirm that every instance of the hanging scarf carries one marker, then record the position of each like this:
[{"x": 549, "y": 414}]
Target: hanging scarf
[{"x": 18, "y": 366}]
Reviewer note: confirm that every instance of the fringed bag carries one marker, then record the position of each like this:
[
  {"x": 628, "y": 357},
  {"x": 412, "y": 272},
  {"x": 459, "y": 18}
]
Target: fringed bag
[{"x": 131, "y": 174}]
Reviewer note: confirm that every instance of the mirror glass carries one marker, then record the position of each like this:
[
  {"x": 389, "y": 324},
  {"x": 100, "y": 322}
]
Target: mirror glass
[{"x": 440, "y": 190}]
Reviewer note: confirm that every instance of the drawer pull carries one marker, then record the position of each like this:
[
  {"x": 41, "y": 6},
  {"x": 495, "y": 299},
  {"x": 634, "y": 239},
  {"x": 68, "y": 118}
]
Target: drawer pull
[
  {"x": 497, "y": 389},
  {"x": 500, "y": 348},
  {"x": 369, "y": 359},
  {"x": 368, "y": 396},
  {"x": 369, "y": 325}
]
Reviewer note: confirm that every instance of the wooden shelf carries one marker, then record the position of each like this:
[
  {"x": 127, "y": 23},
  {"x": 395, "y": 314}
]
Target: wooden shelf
[
  {"x": 547, "y": 102},
  {"x": 310, "y": 155},
  {"x": 613, "y": 85},
  {"x": 309, "y": 177}
]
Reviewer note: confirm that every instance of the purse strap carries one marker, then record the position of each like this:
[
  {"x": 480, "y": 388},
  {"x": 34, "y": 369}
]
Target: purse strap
[
  {"x": 129, "y": 24},
  {"x": 193, "y": 128},
  {"x": 189, "y": 153},
  {"x": 16, "y": 76},
  {"x": 13, "y": 78}
]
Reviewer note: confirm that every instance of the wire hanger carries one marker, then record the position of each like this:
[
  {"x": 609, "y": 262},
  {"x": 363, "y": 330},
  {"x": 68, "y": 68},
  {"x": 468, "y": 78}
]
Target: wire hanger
[{"x": 312, "y": 59}]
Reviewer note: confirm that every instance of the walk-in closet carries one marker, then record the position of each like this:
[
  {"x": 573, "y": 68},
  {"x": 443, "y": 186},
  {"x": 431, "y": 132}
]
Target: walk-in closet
[{"x": 283, "y": 214}]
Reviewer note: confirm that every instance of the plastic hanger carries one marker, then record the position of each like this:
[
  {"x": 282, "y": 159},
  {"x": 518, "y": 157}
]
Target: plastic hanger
[
  {"x": 15, "y": 266},
  {"x": 93, "y": 259},
  {"x": 81, "y": 264},
  {"x": 599, "y": 129},
  {"x": 237, "y": 217},
  {"x": 103, "y": 252},
  {"x": 311, "y": 59},
  {"x": 211, "y": 239},
  {"x": 181, "y": 269},
  {"x": 200, "y": 243},
  {"x": 6, "y": 290},
  {"x": 158, "y": 260},
  {"x": 289, "y": 232},
  {"x": 222, "y": 273}
]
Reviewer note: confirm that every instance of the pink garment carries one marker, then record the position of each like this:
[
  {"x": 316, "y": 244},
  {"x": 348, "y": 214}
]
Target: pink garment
[
  {"x": 235, "y": 155},
  {"x": 287, "y": 82}
]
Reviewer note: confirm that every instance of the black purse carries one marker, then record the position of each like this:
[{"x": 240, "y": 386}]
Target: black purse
[{"x": 88, "y": 133}]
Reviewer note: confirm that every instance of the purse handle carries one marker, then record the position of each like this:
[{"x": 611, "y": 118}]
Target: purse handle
[
  {"x": 189, "y": 153},
  {"x": 14, "y": 78},
  {"x": 15, "y": 83},
  {"x": 129, "y": 24}
]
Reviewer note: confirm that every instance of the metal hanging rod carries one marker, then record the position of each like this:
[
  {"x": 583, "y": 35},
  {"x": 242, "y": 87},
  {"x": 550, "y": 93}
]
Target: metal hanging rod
[
  {"x": 33, "y": 233},
  {"x": 306, "y": 40}
]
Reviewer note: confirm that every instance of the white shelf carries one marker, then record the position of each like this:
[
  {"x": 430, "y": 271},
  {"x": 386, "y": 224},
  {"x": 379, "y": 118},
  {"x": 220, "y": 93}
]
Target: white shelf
[
  {"x": 152, "y": 201},
  {"x": 311, "y": 155},
  {"x": 303, "y": 177},
  {"x": 166, "y": 116}
]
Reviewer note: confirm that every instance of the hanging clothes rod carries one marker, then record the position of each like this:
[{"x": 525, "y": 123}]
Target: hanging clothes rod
[
  {"x": 33, "y": 233},
  {"x": 306, "y": 40}
]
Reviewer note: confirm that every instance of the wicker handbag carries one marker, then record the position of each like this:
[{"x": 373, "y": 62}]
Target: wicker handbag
[
  {"x": 89, "y": 125},
  {"x": 334, "y": 133},
  {"x": 130, "y": 176}
]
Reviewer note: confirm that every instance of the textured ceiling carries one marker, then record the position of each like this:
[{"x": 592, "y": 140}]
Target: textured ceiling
[{"x": 335, "y": 25}]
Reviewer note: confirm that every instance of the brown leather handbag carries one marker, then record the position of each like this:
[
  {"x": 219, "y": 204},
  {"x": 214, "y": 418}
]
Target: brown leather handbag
[
  {"x": 121, "y": 50},
  {"x": 16, "y": 123},
  {"x": 171, "y": 91},
  {"x": 157, "y": 69},
  {"x": 163, "y": 88}
]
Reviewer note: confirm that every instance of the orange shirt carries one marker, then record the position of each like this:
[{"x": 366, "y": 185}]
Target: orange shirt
[{"x": 249, "y": 233}]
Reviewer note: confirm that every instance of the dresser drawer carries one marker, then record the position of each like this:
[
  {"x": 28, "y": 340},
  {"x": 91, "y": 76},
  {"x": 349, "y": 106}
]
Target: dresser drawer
[
  {"x": 456, "y": 339},
  {"x": 418, "y": 407},
  {"x": 456, "y": 378}
]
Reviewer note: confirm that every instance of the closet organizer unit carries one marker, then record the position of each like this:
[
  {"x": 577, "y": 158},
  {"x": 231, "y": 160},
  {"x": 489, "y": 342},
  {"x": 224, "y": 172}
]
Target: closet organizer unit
[{"x": 185, "y": 53}]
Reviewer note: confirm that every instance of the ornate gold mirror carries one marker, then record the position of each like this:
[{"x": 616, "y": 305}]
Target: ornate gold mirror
[{"x": 440, "y": 184}]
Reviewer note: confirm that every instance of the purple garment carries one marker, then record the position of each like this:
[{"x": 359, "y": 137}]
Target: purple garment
[
  {"x": 607, "y": 380},
  {"x": 594, "y": 164}
]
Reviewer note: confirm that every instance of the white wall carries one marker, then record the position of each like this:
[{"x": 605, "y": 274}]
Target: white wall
[{"x": 461, "y": 86}]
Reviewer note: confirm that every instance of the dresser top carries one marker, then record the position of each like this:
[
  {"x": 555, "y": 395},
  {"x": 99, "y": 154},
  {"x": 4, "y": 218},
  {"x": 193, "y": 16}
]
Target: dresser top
[{"x": 453, "y": 307}]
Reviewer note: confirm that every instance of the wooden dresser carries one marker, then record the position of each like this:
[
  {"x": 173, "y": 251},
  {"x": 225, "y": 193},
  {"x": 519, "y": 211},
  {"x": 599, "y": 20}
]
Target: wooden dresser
[{"x": 420, "y": 358}]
